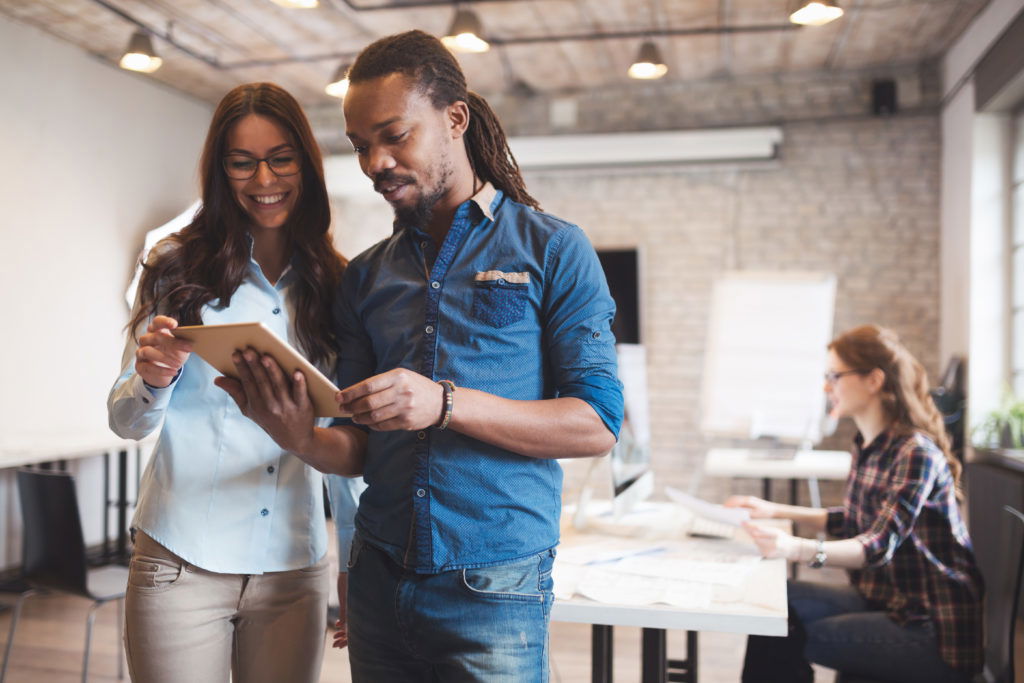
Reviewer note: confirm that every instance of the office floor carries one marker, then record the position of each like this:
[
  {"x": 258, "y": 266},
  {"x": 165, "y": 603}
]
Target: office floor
[{"x": 48, "y": 649}]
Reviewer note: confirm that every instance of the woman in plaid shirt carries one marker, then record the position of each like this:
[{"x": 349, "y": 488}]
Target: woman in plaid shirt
[{"x": 912, "y": 611}]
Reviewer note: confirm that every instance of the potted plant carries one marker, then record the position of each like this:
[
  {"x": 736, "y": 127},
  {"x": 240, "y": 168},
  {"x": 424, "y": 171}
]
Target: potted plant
[{"x": 1002, "y": 428}]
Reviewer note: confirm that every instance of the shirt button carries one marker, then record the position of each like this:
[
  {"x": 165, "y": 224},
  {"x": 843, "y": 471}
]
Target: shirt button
[
  {"x": 421, "y": 435},
  {"x": 435, "y": 284},
  {"x": 423, "y": 244},
  {"x": 501, "y": 281},
  {"x": 429, "y": 329},
  {"x": 276, "y": 311},
  {"x": 596, "y": 335},
  {"x": 420, "y": 493},
  {"x": 270, "y": 469},
  {"x": 264, "y": 512}
]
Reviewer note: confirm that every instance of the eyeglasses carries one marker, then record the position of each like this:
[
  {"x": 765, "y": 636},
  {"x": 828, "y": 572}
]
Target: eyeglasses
[
  {"x": 833, "y": 377},
  {"x": 244, "y": 167}
]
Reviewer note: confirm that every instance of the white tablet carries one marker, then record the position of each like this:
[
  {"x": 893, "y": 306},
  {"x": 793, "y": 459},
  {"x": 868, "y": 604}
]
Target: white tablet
[{"x": 216, "y": 343}]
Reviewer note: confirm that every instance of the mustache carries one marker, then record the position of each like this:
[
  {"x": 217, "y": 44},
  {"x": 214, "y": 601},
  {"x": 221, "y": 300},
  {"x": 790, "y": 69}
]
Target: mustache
[{"x": 389, "y": 177}]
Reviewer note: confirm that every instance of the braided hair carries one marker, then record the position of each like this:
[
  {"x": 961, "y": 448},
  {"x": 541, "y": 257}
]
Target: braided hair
[{"x": 423, "y": 58}]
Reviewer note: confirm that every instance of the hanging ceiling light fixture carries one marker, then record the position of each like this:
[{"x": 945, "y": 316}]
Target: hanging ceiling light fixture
[
  {"x": 297, "y": 4},
  {"x": 466, "y": 33},
  {"x": 816, "y": 12},
  {"x": 339, "y": 83},
  {"x": 648, "y": 64},
  {"x": 140, "y": 55}
]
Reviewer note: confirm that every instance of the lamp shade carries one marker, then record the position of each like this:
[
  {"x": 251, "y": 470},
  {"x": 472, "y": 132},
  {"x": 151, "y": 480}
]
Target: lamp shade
[
  {"x": 140, "y": 55},
  {"x": 339, "y": 82},
  {"x": 465, "y": 33},
  {"x": 815, "y": 12},
  {"x": 648, "y": 64}
]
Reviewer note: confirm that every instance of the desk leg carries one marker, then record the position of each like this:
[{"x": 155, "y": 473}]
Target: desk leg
[
  {"x": 122, "y": 506},
  {"x": 655, "y": 656},
  {"x": 685, "y": 670},
  {"x": 601, "y": 653},
  {"x": 792, "y": 491},
  {"x": 766, "y": 488},
  {"x": 106, "y": 505}
]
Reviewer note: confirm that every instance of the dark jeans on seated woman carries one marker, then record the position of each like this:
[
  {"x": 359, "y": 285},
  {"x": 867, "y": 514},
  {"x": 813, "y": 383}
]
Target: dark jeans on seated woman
[{"x": 833, "y": 626}]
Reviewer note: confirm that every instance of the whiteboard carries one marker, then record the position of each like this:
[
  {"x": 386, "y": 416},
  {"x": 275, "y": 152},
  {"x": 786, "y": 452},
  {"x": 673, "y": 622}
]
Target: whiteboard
[{"x": 766, "y": 354}]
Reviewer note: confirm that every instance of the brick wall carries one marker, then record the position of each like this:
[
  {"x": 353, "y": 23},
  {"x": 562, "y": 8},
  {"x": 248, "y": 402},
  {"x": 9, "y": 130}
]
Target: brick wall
[{"x": 849, "y": 192}]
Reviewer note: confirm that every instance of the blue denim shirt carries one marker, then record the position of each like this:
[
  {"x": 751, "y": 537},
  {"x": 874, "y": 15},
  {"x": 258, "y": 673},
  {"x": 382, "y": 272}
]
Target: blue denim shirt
[{"x": 515, "y": 304}]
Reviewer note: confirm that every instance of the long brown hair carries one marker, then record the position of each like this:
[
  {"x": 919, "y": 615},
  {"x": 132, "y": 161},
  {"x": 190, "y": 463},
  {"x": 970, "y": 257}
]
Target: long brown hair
[
  {"x": 423, "y": 58},
  {"x": 904, "y": 394},
  {"x": 208, "y": 260}
]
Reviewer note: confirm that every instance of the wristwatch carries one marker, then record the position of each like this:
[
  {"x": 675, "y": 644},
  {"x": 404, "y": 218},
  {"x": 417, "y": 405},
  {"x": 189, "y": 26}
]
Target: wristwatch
[{"x": 818, "y": 561}]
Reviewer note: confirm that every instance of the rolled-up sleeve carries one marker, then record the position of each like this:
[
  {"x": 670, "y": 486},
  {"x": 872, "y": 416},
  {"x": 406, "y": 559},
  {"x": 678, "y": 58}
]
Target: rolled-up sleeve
[
  {"x": 578, "y": 336},
  {"x": 914, "y": 475},
  {"x": 835, "y": 522}
]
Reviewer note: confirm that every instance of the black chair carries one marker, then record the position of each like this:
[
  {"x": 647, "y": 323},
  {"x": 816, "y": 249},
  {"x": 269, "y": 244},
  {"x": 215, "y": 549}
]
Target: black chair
[
  {"x": 1002, "y": 598},
  {"x": 53, "y": 555}
]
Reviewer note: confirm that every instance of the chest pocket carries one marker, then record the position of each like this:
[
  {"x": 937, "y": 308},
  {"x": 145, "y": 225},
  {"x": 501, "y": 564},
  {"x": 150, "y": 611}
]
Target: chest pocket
[{"x": 499, "y": 299}]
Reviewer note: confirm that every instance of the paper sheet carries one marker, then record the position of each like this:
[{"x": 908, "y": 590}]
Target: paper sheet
[{"x": 702, "y": 508}]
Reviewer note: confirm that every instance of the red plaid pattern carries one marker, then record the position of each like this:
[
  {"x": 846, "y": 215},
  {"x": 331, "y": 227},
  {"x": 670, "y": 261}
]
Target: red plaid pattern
[{"x": 900, "y": 503}]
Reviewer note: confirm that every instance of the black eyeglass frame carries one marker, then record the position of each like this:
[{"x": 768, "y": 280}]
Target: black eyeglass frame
[
  {"x": 833, "y": 377},
  {"x": 256, "y": 168}
]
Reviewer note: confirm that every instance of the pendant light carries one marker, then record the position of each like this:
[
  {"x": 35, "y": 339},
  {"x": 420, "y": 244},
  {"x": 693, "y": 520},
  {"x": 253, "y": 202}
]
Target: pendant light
[
  {"x": 466, "y": 33},
  {"x": 648, "y": 64},
  {"x": 140, "y": 55},
  {"x": 816, "y": 13},
  {"x": 339, "y": 82}
]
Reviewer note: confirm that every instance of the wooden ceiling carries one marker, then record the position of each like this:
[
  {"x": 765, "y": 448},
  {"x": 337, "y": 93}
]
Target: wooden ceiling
[
  {"x": 233, "y": 32},
  {"x": 227, "y": 42}
]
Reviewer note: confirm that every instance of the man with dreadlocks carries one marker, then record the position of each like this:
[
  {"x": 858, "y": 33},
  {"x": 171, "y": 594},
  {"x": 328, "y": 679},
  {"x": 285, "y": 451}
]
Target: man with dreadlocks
[{"x": 475, "y": 346}]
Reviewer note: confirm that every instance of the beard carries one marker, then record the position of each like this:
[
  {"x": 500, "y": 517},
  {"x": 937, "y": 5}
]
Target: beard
[{"x": 419, "y": 214}]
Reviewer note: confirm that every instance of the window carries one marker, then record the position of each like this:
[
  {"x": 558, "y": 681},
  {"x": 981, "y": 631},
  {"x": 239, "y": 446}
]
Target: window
[{"x": 1017, "y": 255}]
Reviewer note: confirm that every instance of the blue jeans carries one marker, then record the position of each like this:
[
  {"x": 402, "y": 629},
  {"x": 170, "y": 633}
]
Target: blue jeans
[
  {"x": 833, "y": 626},
  {"x": 488, "y": 624}
]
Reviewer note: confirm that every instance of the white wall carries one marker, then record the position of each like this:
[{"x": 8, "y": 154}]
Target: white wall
[
  {"x": 971, "y": 213},
  {"x": 92, "y": 157}
]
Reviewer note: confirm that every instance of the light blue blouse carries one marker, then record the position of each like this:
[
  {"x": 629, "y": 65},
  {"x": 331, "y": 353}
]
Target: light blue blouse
[{"x": 218, "y": 491}]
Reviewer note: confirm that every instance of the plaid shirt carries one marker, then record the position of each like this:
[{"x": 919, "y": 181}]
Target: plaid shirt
[{"x": 900, "y": 503}]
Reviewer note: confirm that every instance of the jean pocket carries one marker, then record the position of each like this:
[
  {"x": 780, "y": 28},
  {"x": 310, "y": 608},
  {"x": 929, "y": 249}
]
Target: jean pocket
[
  {"x": 499, "y": 303},
  {"x": 154, "y": 574},
  {"x": 520, "y": 580}
]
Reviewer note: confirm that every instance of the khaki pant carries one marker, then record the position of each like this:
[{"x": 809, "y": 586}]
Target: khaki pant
[{"x": 185, "y": 624}]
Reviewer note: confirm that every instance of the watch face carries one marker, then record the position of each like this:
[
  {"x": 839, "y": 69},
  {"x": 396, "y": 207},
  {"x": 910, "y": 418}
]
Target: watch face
[{"x": 818, "y": 561}]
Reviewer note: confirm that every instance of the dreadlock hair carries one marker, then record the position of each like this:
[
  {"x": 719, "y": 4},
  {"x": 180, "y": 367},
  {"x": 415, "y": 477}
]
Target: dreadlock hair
[
  {"x": 437, "y": 74},
  {"x": 207, "y": 260},
  {"x": 905, "y": 396}
]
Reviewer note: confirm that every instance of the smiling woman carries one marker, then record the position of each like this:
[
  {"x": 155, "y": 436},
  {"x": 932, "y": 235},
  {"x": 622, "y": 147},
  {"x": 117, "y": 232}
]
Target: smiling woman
[{"x": 229, "y": 530}]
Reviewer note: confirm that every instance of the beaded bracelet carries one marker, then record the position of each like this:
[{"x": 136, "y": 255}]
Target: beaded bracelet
[{"x": 449, "y": 401}]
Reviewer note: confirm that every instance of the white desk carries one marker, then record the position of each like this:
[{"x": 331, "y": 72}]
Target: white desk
[
  {"x": 805, "y": 464},
  {"x": 36, "y": 448},
  {"x": 31, "y": 449},
  {"x": 756, "y": 607}
]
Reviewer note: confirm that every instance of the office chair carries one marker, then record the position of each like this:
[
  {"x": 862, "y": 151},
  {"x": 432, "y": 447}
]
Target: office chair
[
  {"x": 53, "y": 556},
  {"x": 1002, "y": 599}
]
